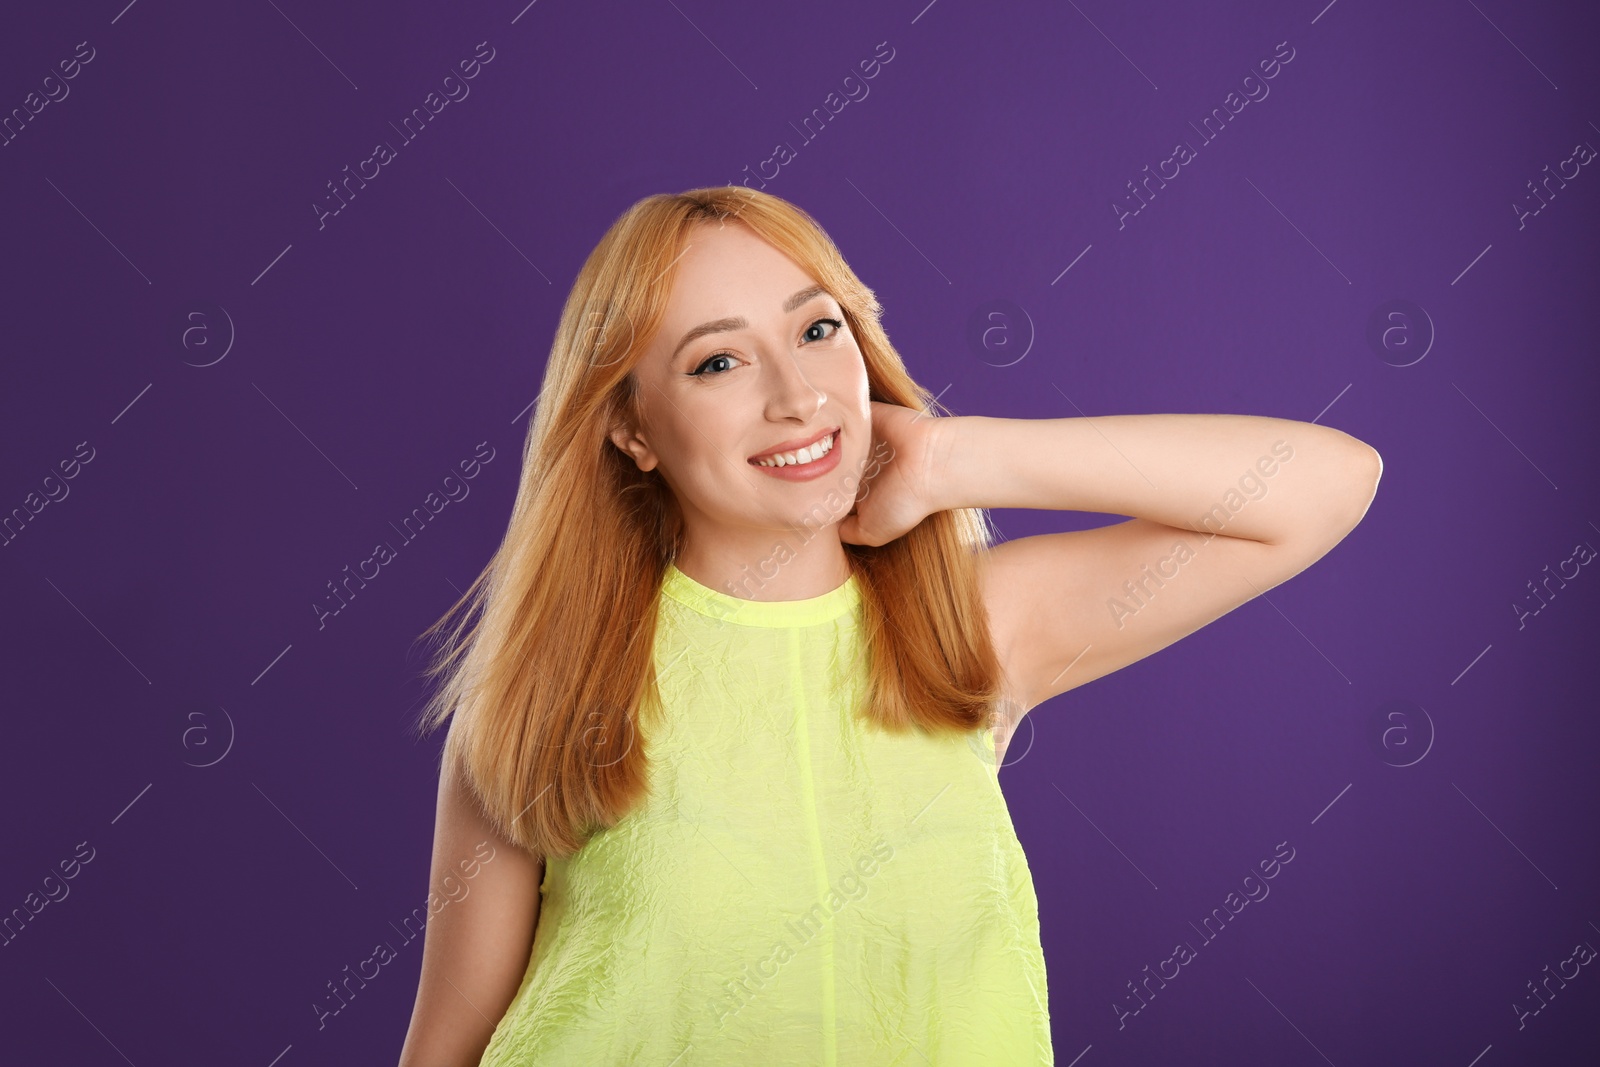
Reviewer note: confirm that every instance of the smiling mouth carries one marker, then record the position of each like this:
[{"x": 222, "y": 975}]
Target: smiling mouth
[{"x": 800, "y": 456}]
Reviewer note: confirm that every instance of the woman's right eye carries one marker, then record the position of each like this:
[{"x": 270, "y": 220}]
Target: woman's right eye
[{"x": 698, "y": 371}]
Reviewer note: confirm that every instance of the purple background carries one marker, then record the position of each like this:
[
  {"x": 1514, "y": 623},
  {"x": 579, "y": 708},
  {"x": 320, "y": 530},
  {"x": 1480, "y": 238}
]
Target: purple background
[{"x": 159, "y": 617}]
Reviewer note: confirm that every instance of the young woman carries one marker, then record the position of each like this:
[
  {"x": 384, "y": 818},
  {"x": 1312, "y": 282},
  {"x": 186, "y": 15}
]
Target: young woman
[{"x": 745, "y": 663}]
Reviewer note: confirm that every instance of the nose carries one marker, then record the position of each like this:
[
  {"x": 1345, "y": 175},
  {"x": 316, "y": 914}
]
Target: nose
[{"x": 789, "y": 394}]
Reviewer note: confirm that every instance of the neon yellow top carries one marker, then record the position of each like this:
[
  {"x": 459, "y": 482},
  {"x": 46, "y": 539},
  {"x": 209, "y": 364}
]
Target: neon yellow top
[{"x": 801, "y": 886}]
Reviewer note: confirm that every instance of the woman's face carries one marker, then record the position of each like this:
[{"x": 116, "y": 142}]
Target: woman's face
[{"x": 751, "y": 358}]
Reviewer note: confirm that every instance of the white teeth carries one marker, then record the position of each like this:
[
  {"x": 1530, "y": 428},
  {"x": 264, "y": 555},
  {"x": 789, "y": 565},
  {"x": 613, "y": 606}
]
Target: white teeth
[{"x": 804, "y": 455}]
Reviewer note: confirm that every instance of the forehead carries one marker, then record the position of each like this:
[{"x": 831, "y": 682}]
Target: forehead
[{"x": 726, "y": 269}]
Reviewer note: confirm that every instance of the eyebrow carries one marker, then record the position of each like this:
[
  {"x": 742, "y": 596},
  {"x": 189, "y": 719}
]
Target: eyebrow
[{"x": 738, "y": 322}]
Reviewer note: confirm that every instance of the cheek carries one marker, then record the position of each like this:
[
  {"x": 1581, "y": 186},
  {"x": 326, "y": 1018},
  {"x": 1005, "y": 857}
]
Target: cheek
[
  {"x": 860, "y": 393},
  {"x": 703, "y": 464}
]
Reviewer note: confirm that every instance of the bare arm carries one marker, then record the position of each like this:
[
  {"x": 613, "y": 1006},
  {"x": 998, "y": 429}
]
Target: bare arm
[
  {"x": 1176, "y": 470},
  {"x": 1225, "y": 508},
  {"x": 476, "y": 947}
]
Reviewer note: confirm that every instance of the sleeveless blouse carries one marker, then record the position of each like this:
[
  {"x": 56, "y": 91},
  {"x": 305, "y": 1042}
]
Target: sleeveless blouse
[{"x": 801, "y": 886}]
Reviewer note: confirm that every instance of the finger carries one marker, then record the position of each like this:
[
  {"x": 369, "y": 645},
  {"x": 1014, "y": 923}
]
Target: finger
[{"x": 851, "y": 531}]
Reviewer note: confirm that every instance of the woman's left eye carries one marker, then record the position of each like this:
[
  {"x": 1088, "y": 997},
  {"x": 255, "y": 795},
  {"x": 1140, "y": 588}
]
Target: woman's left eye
[
  {"x": 835, "y": 323},
  {"x": 701, "y": 369}
]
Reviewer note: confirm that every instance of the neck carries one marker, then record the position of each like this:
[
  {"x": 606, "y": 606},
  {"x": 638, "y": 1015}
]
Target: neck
[{"x": 769, "y": 565}]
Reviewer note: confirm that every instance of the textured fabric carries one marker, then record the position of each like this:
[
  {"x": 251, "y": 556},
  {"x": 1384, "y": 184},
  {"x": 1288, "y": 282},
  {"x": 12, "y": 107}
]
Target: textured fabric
[{"x": 801, "y": 887}]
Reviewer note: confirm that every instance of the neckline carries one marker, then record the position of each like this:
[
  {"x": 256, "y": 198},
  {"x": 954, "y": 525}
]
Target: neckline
[{"x": 771, "y": 613}]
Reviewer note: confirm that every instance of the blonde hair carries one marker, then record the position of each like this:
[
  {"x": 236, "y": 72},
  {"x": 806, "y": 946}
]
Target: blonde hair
[{"x": 548, "y": 691}]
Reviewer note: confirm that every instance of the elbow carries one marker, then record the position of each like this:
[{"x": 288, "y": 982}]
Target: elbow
[
  {"x": 1371, "y": 467},
  {"x": 1355, "y": 469},
  {"x": 1345, "y": 492},
  {"x": 1358, "y": 488}
]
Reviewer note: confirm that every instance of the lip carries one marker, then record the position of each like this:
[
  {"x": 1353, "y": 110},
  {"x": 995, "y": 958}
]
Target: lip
[
  {"x": 797, "y": 443},
  {"x": 807, "y": 472}
]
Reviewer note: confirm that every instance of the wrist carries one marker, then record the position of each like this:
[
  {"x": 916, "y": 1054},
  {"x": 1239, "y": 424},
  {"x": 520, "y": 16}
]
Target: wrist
[{"x": 945, "y": 489}]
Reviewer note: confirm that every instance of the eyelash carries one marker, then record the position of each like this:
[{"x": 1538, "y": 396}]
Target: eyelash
[{"x": 701, "y": 369}]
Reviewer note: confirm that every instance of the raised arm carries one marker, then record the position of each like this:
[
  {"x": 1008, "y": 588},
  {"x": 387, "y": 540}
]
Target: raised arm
[
  {"x": 477, "y": 945},
  {"x": 1225, "y": 507}
]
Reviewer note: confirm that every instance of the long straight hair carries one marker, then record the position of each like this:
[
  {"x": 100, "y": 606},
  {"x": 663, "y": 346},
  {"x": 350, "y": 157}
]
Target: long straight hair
[{"x": 550, "y": 689}]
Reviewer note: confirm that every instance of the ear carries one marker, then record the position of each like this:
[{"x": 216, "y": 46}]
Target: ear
[{"x": 630, "y": 442}]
